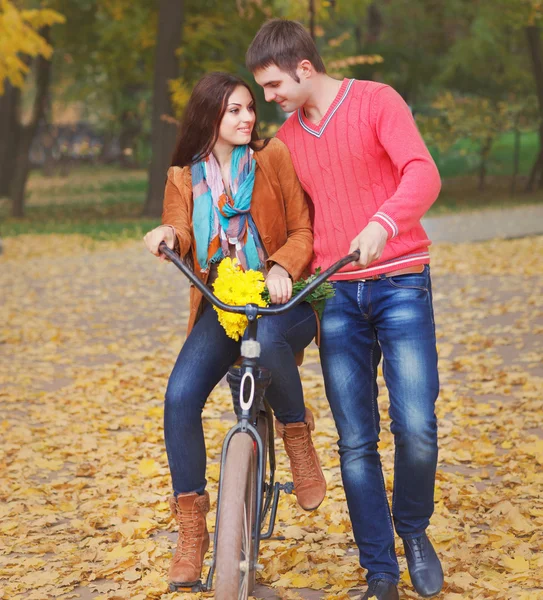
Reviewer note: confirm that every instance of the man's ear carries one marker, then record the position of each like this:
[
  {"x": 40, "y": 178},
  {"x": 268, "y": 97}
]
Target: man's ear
[{"x": 305, "y": 69}]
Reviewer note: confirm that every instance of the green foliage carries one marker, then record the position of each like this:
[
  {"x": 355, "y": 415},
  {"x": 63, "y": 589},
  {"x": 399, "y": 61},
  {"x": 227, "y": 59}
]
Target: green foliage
[
  {"x": 489, "y": 57},
  {"x": 411, "y": 38},
  {"x": 462, "y": 159},
  {"x": 215, "y": 38},
  {"x": 317, "y": 298},
  {"x": 19, "y": 35},
  {"x": 469, "y": 126},
  {"x": 475, "y": 52},
  {"x": 105, "y": 62}
]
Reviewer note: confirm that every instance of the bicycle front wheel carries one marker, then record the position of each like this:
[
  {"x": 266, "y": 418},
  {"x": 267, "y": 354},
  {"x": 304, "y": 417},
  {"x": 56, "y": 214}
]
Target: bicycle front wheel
[{"x": 237, "y": 510}]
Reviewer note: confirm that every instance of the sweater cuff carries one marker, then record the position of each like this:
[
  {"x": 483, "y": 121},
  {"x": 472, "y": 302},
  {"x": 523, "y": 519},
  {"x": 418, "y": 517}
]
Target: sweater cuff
[{"x": 387, "y": 222}]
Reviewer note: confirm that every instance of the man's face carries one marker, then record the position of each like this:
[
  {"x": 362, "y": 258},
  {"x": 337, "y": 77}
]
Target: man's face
[{"x": 280, "y": 87}]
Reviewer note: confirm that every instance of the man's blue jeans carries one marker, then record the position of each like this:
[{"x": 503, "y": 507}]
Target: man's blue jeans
[
  {"x": 392, "y": 317},
  {"x": 204, "y": 361}
]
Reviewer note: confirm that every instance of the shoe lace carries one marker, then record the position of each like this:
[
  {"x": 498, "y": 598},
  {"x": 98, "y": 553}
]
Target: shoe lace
[
  {"x": 419, "y": 548},
  {"x": 188, "y": 535},
  {"x": 301, "y": 457}
]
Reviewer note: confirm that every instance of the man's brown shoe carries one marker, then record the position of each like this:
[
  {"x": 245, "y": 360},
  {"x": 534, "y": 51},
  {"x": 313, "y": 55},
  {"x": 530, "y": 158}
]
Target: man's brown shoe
[
  {"x": 309, "y": 482},
  {"x": 190, "y": 512}
]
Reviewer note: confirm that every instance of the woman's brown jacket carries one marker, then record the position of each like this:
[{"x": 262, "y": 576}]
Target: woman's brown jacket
[{"x": 278, "y": 207}]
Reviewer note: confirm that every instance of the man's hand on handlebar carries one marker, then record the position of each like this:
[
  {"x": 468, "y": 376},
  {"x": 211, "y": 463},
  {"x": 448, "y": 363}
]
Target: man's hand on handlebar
[
  {"x": 152, "y": 240},
  {"x": 370, "y": 242}
]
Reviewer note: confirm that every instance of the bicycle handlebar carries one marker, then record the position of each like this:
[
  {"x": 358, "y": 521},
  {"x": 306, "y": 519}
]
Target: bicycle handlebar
[{"x": 241, "y": 310}]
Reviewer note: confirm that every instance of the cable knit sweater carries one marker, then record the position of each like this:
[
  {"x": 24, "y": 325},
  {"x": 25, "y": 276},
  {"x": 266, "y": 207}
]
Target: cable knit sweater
[{"x": 365, "y": 161}]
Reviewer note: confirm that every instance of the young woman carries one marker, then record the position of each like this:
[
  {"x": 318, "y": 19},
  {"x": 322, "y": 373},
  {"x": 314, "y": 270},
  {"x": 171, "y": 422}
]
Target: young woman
[{"x": 228, "y": 194}]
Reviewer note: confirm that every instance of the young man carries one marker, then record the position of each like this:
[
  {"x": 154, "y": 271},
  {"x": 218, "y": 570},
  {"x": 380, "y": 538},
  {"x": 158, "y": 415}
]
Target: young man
[{"x": 360, "y": 158}]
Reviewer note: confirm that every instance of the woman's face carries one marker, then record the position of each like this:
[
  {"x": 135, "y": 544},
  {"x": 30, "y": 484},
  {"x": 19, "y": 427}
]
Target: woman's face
[{"x": 239, "y": 119}]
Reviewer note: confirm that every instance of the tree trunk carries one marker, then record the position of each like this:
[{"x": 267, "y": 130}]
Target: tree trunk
[
  {"x": 516, "y": 159},
  {"x": 534, "y": 45},
  {"x": 312, "y": 18},
  {"x": 485, "y": 152},
  {"x": 130, "y": 129},
  {"x": 48, "y": 147},
  {"x": 537, "y": 167},
  {"x": 375, "y": 23},
  {"x": 170, "y": 23},
  {"x": 10, "y": 103},
  {"x": 22, "y": 156},
  {"x": 482, "y": 175},
  {"x": 359, "y": 44}
]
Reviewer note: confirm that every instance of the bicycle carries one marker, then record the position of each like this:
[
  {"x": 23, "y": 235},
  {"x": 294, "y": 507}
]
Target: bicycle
[{"x": 246, "y": 492}]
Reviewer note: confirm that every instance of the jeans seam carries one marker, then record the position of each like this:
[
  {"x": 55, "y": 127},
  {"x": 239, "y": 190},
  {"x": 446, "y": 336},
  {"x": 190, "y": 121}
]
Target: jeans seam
[
  {"x": 297, "y": 324},
  {"x": 431, "y": 302},
  {"x": 373, "y": 377},
  {"x": 373, "y": 406},
  {"x": 358, "y": 298},
  {"x": 406, "y": 287},
  {"x": 360, "y": 287},
  {"x": 394, "y": 495}
]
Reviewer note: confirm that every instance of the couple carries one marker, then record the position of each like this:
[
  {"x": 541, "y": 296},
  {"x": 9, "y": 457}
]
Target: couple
[{"x": 354, "y": 149}]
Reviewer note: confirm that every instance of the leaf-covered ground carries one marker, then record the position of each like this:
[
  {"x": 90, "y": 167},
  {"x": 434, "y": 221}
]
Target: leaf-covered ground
[{"x": 88, "y": 335}]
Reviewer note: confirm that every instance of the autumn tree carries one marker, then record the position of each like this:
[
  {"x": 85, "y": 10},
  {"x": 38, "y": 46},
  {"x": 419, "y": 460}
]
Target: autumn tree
[
  {"x": 473, "y": 119},
  {"x": 166, "y": 68},
  {"x": 104, "y": 62},
  {"x": 214, "y": 38},
  {"x": 533, "y": 36},
  {"x": 24, "y": 50}
]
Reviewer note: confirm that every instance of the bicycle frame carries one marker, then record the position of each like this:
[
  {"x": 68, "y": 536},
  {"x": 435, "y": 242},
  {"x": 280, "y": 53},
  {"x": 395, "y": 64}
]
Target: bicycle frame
[{"x": 247, "y": 421}]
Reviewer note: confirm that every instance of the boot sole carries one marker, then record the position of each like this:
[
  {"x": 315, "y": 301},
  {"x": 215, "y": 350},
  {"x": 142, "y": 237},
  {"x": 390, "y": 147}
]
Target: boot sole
[
  {"x": 189, "y": 586},
  {"x": 311, "y": 509}
]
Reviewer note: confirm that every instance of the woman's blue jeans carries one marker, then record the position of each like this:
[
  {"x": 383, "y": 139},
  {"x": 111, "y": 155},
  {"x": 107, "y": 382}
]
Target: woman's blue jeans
[
  {"x": 392, "y": 317},
  {"x": 204, "y": 360}
]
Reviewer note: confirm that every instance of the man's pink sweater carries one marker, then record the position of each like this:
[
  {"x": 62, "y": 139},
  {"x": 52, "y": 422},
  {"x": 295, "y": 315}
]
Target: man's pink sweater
[{"x": 365, "y": 161}]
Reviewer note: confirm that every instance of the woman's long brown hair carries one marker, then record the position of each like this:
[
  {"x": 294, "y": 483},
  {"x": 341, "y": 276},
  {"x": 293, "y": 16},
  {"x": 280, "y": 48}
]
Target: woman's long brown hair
[{"x": 203, "y": 115}]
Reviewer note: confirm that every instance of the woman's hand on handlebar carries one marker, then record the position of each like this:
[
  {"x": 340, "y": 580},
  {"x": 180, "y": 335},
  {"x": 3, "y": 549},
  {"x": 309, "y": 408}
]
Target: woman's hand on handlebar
[
  {"x": 152, "y": 239},
  {"x": 279, "y": 285}
]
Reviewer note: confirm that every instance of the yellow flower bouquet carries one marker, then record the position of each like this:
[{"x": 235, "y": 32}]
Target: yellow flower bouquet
[{"x": 238, "y": 287}]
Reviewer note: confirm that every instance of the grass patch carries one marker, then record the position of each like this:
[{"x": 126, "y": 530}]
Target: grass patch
[
  {"x": 460, "y": 194},
  {"x": 463, "y": 159},
  {"x": 106, "y": 230},
  {"x": 104, "y": 203}
]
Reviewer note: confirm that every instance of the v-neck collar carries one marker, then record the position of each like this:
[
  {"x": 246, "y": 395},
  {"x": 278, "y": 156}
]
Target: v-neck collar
[{"x": 318, "y": 129}]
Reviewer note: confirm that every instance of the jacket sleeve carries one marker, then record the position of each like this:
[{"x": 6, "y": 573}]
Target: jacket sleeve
[
  {"x": 175, "y": 210},
  {"x": 295, "y": 255},
  {"x": 419, "y": 178}
]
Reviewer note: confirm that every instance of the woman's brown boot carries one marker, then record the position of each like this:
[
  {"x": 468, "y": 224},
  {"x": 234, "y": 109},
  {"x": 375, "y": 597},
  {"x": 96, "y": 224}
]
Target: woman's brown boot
[
  {"x": 190, "y": 512},
  {"x": 309, "y": 481}
]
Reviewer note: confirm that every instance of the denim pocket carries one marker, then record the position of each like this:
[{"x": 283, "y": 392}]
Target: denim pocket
[{"x": 411, "y": 281}]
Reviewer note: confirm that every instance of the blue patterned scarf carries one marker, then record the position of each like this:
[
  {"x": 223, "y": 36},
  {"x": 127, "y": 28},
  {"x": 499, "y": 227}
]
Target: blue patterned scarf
[{"x": 220, "y": 220}]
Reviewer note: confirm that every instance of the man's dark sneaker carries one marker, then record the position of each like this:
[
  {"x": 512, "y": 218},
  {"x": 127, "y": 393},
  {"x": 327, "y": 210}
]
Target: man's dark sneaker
[
  {"x": 424, "y": 567},
  {"x": 381, "y": 589}
]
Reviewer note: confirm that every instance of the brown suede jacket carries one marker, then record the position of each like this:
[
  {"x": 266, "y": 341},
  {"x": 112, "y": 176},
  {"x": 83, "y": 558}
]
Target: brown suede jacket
[{"x": 278, "y": 207}]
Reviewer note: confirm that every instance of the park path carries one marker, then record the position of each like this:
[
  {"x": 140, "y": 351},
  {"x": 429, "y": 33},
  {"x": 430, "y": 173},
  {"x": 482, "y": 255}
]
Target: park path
[
  {"x": 488, "y": 224},
  {"x": 87, "y": 340}
]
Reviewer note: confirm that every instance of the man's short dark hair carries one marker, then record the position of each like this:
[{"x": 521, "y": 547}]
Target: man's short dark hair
[{"x": 285, "y": 44}]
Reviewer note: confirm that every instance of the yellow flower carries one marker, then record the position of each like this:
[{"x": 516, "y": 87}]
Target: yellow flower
[{"x": 237, "y": 287}]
